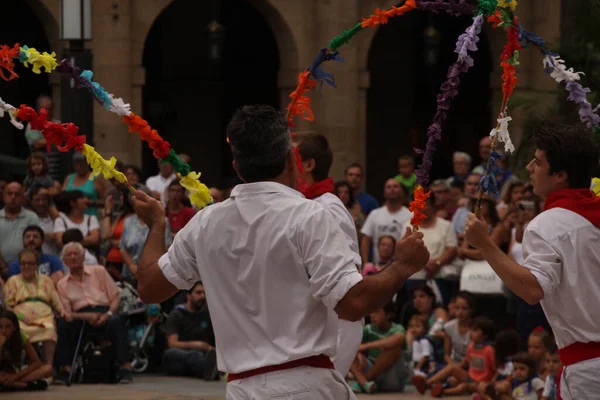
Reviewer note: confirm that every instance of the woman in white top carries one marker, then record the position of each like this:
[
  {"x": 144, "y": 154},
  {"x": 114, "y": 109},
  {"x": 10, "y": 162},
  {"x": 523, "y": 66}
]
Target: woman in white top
[
  {"x": 440, "y": 239},
  {"x": 72, "y": 206}
]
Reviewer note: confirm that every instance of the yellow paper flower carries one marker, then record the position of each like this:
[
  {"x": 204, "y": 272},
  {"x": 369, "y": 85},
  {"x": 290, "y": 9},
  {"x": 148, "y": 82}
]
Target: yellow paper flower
[
  {"x": 100, "y": 166},
  {"x": 596, "y": 186},
  {"x": 512, "y": 4},
  {"x": 199, "y": 193},
  {"x": 37, "y": 60}
]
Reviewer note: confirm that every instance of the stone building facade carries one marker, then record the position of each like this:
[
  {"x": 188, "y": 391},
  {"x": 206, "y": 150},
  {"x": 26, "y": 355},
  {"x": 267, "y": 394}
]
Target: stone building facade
[{"x": 121, "y": 30}]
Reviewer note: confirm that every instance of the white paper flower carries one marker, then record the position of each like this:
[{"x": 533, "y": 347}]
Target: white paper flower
[
  {"x": 501, "y": 134},
  {"x": 559, "y": 71},
  {"x": 119, "y": 107}
]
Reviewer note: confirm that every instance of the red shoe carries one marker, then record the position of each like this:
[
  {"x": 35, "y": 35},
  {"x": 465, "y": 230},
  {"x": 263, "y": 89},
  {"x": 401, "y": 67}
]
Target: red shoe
[
  {"x": 437, "y": 390},
  {"x": 420, "y": 383}
]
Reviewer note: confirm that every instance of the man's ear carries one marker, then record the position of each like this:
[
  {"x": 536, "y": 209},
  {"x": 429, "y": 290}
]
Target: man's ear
[
  {"x": 561, "y": 177},
  {"x": 309, "y": 165}
]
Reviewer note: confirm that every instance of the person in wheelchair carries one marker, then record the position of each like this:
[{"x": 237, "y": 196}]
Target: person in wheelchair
[{"x": 91, "y": 296}]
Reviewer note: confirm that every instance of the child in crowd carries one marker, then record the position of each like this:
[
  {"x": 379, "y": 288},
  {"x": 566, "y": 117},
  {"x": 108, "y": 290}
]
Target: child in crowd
[
  {"x": 379, "y": 364},
  {"x": 422, "y": 349},
  {"x": 553, "y": 367},
  {"x": 478, "y": 366},
  {"x": 13, "y": 375},
  {"x": 526, "y": 383},
  {"x": 386, "y": 248},
  {"x": 456, "y": 332},
  {"x": 537, "y": 346},
  {"x": 37, "y": 173},
  {"x": 407, "y": 176},
  {"x": 507, "y": 345},
  {"x": 451, "y": 309}
]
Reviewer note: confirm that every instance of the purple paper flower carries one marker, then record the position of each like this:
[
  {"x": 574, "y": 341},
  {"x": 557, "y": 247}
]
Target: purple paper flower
[
  {"x": 452, "y": 7},
  {"x": 578, "y": 95},
  {"x": 489, "y": 182},
  {"x": 449, "y": 90}
]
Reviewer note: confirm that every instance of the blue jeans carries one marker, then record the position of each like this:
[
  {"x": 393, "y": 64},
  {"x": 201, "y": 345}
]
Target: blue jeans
[
  {"x": 392, "y": 380},
  {"x": 183, "y": 362}
]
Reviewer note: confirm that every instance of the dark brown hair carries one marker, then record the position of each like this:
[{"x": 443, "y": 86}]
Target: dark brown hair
[{"x": 315, "y": 146}]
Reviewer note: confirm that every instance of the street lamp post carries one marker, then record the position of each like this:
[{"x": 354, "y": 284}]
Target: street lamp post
[{"x": 77, "y": 106}]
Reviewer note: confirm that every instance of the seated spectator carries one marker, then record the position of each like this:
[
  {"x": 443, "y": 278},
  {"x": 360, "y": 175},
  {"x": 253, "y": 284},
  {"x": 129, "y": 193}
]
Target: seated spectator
[
  {"x": 353, "y": 174},
  {"x": 191, "y": 339},
  {"x": 37, "y": 173},
  {"x": 177, "y": 213},
  {"x": 16, "y": 375},
  {"x": 379, "y": 364},
  {"x": 424, "y": 303},
  {"x": 49, "y": 265},
  {"x": 441, "y": 241},
  {"x": 461, "y": 165},
  {"x": 526, "y": 382},
  {"x": 72, "y": 206},
  {"x": 386, "y": 247},
  {"x": 133, "y": 174},
  {"x": 506, "y": 346},
  {"x": 33, "y": 297},
  {"x": 158, "y": 183},
  {"x": 89, "y": 295},
  {"x": 133, "y": 239},
  {"x": 457, "y": 192},
  {"x": 346, "y": 195},
  {"x": 479, "y": 365},
  {"x": 456, "y": 332},
  {"x": 445, "y": 205},
  {"x": 423, "y": 357},
  {"x": 14, "y": 218},
  {"x": 75, "y": 235},
  {"x": 553, "y": 367},
  {"x": 512, "y": 196},
  {"x": 40, "y": 204},
  {"x": 93, "y": 189},
  {"x": 113, "y": 224}
]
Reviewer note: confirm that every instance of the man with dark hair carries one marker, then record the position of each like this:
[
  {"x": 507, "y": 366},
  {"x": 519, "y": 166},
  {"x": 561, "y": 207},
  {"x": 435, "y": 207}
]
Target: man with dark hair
[
  {"x": 317, "y": 157},
  {"x": 561, "y": 252},
  {"x": 275, "y": 267},
  {"x": 33, "y": 238},
  {"x": 354, "y": 175},
  {"x": 191, "y": 339}
]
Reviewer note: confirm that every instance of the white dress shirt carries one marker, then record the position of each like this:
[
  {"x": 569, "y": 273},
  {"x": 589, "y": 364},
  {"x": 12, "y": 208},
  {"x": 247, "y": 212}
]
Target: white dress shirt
[
  {"x": 273, "y": 265},
  {"x": 340, "y": 213},
  {"x": 159, "y": 183},
  {"x": 562, "y": 250}
]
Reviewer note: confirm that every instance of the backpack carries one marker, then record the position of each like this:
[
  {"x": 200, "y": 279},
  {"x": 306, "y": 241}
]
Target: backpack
[{"x": 98, "y": 364}]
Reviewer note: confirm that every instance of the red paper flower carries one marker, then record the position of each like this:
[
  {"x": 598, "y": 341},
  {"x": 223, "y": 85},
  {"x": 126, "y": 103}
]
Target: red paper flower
[
  {"x": 382, "y": 16},
  {"x": 300, "y": 104},
  {"x": 418, "y": 205},
  {"x": 7, "y": 56},
  {"x": 160, "y": 147}
]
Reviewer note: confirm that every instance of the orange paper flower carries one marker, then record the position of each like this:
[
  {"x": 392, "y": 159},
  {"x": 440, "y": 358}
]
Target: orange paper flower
[
  {"x": 495, "y": 19},
  {"x": 382, "y": 16},
  {"x": 137, "y": 124},
  {"x": 300, "y": 104},
  {"x": 418, "y": 205},
  {"x": 7, "y": 55}
]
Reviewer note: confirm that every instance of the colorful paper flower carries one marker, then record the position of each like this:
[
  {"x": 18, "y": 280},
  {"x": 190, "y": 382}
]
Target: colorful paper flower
[
  {"x": 199, "y": 193},
  {"x": 300, "y": 102},
  {"x": 418, "y": 205},
  {"x": 137, "y": 124},
  {"x": 512, "y": 4},
  {"x": 12, "y": 113},
  {"x": 7, "y": 54},
  {"x": 100, "y": 166},
  {"x": 383, "y": 16},
  {"x": 500, "y": 133},
  {"x": 29, "y": 55}
]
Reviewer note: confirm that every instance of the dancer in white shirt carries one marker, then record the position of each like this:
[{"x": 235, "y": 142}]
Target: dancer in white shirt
[
  {"x": 562, "y": 254},
  {"x": 273, "y": 265},
  {"x": 315, "y": 184}
]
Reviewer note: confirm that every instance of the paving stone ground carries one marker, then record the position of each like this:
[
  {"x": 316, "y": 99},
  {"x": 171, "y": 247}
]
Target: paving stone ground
[{"x": 157, "y": 387}]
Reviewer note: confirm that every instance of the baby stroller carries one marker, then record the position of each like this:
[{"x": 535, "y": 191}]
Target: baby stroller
[{"x": 143, "y": 323}]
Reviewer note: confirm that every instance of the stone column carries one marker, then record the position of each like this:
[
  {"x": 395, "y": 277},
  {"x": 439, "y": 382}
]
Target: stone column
[
  {"x": 337, "y": 111},
  {"x": 111, "y": 47}
]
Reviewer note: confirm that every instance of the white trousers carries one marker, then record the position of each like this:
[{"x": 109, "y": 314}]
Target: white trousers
[
  {"x": 297, "y": 383},
  {"x": 349, "y": 338},
  {"x": 581, "y": 381}
]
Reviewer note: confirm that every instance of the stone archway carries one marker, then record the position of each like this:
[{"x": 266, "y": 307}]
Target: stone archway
[
  {"x": 40, "y": 32},
  {"x": 208, "y": 148}
]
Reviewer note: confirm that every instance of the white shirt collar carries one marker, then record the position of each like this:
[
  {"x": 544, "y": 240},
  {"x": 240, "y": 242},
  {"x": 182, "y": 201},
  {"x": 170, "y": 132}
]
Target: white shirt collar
[{"x": 247, "y": 189}]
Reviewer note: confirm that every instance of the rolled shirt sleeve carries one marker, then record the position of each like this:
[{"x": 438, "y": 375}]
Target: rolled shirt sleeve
[
  {"x": 328, "y": 260},
  {"x": 542, "y": 260},
  {"x": 178, "y": 264}
]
